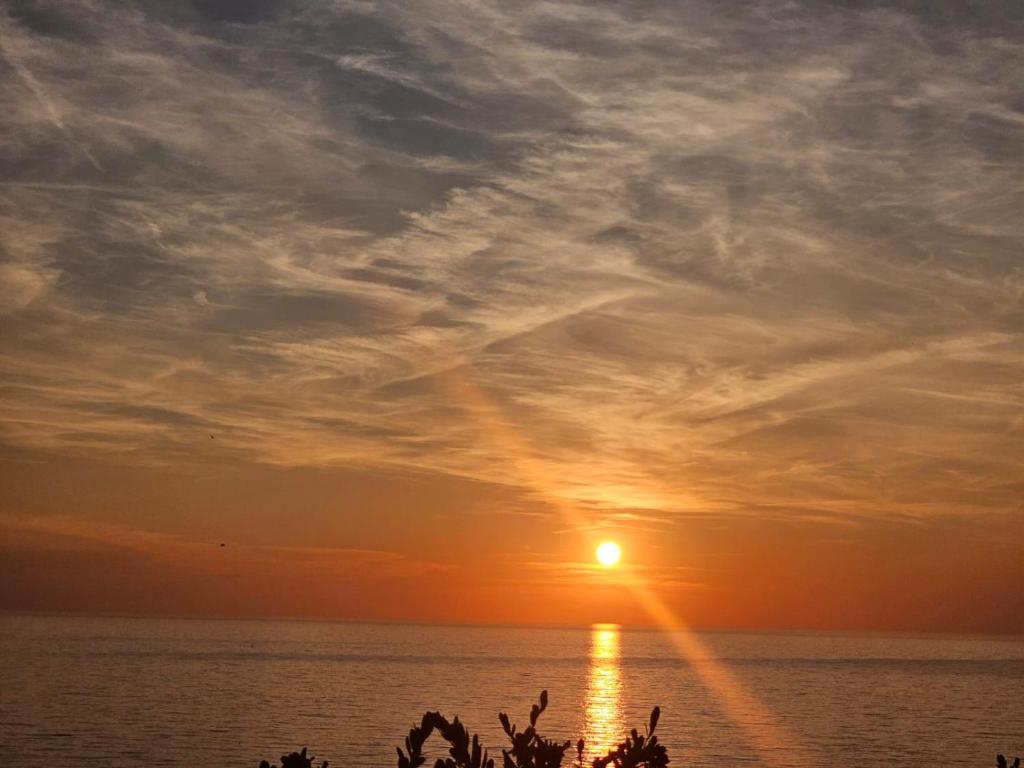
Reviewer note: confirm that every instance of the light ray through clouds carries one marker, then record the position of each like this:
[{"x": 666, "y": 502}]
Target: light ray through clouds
[{"x": 775, "y": 745}]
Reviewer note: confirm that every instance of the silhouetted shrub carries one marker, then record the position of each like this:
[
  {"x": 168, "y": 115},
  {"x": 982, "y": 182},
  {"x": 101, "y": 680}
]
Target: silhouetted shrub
[
  {"x": 294, "y": 760},
  {"x": 528, "y": 749}
]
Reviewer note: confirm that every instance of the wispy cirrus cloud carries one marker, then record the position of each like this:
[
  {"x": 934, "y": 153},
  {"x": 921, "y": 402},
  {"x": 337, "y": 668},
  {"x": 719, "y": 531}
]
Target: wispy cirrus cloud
[{"x": 697, "y": 261}]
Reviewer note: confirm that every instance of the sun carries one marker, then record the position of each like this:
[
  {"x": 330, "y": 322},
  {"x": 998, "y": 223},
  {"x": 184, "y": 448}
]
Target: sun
[{"x": 608, "y": 553}]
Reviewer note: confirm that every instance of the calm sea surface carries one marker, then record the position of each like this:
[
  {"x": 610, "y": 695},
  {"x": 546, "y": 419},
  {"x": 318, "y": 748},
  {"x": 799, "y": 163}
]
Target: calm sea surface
[{"x": 141, "y": 692}]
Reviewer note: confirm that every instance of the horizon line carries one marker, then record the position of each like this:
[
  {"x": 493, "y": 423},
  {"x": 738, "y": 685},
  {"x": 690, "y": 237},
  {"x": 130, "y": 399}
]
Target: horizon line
[{"x": 439, "y": 623}]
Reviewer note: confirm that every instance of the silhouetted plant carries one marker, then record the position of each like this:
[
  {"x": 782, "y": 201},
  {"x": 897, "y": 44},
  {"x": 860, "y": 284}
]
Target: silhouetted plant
[
  {"x": 464, "y": 752},
  {"x": 638, "y": 749},
  {"x": 528, "y": 748},
  {"x": 294, "y": 760}
]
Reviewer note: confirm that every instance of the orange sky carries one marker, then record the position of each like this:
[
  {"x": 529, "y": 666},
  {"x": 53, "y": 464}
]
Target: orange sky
[
  {"x": 346, "y": 544},
  {"x": 410, "y": 306}
]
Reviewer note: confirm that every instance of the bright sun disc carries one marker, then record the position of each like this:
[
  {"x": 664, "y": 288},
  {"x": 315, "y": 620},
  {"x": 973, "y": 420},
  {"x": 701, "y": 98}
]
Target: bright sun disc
[{"x": 608, "y": 553}]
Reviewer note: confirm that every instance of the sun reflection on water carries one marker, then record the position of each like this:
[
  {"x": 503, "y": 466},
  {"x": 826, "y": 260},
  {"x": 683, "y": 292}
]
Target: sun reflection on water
[{"x": 603, "y": 710}]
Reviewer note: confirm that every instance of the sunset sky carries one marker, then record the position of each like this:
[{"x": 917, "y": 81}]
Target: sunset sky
[{"x": 409, "y": 305}]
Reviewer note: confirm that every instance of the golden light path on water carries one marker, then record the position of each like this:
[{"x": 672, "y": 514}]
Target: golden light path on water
[
  {"x": 603, "y": 727},
  {"x": 775, "y": 745}
]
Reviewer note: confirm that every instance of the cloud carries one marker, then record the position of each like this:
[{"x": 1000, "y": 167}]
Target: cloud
[
  {"x": 673, "y": 261},
  {"x": 219, "y": 561}
]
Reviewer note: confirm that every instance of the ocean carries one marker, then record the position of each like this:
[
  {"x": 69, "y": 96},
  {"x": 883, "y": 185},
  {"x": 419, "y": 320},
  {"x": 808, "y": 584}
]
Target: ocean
[{"x": 77, "y": 691}]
